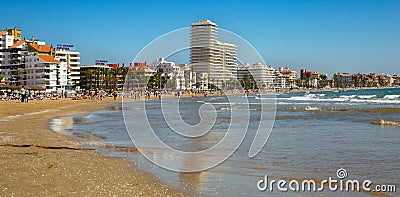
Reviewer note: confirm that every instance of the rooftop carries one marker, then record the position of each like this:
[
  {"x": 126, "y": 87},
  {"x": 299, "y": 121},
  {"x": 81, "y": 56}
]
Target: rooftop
[
  {"x": 19, "y": 43},
  {"x": 41, "y": 48},
  {"x": 3, "y": 32},
  {"x": 204, "y": 22},
  {"x": 48, "y": 58}
]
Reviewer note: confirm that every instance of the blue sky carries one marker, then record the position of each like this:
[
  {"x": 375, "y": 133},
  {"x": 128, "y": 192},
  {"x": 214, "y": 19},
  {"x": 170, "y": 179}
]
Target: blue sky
[{"x": 326, "y": 36}]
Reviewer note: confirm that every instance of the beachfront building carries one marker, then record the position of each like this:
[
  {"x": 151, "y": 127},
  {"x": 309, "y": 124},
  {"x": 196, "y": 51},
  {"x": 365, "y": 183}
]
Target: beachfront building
[
  {"x": 189, "y": 77},
  {"x": 92, "y": 76},
  {"x": 264, "y": 76},
  {"x": 6, "y": 41},
  {"x": 313, "y": 79},
  {"x": 71, "y": 58},
  {"x": 214, "y": 62},
  {"x": 258, "y": 76},
  {"x": 167, "y": 68},
  {"x": 13, "y": 62},
  {"x": 290, "y": 77},
  {"x": 171, "y": 73},
  {"x": 16, "y": 33},
  {"x": 396, "y": 80},
  {"x": 245, "y": 78},
  {"x": 279, "y": 80},
  {"x": 140, "y": 74},
  {"x": 41, "y": 48},
  {"x": 44, "y": 71},
  {"x": 342, "y": 80}
]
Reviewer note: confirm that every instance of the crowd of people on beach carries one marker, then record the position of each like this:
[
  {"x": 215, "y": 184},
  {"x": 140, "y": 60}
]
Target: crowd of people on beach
[{"x": 25, "y": 95}]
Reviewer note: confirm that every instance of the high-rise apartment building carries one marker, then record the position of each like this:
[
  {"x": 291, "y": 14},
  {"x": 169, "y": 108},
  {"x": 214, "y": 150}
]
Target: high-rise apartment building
[
  {"x": 72, "y": 60},
  {"x": 213, "y": 61}
]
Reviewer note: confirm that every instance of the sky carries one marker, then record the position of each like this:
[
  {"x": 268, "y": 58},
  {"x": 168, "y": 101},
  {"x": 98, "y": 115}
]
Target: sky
[{"x": 327, "y": 36}]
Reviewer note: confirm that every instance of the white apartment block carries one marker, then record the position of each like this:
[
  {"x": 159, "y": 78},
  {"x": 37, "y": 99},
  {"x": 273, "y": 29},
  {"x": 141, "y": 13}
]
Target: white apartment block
[
  {"x": 12, "y": 60},
  {"x": 264, "y": 76},
  {"x": 72, "y": 61},
  {"x": 211, "y": 60},
  {"x": 43, "y": 71},
  {"x": 167, "y": 67},
  {"x": 6, "y": 40},
  {"x": 173, "y": 73},
  {"x": 290, "y": 77}
]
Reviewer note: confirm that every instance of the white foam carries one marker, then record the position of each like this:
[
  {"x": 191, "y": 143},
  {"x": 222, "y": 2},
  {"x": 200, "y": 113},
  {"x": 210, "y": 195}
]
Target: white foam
[
  {"x": 348, "y": 97},
  {"x": 366, "y": 96},
  {"x": 378, "y": 101},
  {"x": 388, "y": 122},
  {"x": 309, "y": 108},
  {"x": 391, "y": 96},
  {"x": 302, "y": 98}
]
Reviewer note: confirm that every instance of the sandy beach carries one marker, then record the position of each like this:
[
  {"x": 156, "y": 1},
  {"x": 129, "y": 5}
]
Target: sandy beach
[{"x": 34, "y": 161}]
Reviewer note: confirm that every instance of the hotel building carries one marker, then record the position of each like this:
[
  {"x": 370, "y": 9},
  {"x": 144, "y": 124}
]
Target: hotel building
[
  {"x": 72, "y": 60},
  {"x": 290, "y": 77},
  {"x": 44, "y": 71},
  {"x": 213, "y": 61}
]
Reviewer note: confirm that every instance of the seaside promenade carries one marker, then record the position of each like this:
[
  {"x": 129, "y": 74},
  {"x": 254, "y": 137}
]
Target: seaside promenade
[{"x": 35, "y": 161}]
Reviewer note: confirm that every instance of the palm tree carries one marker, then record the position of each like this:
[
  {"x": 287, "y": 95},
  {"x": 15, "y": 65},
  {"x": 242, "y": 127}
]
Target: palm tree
[
  {"x": 1, "y": 77},
  {"x": 89, "y": 78},
  {"x": 16, "y": 77}
]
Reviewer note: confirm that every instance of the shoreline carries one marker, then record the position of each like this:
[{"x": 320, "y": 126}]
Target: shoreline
[{"x": 38, "y": 161}]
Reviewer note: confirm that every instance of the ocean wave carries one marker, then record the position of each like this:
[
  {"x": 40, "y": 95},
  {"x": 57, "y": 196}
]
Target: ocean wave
[
  {"x": 239, "y": 109},
  {"x": 391, "y": 96},
  {"x": 377, "y": 101},
  {"x": 348, "y": 96},
  {"x": 384, "y": 122},
  {"x": 366, "y": 96},
  {"x": 309, "y": 108},
  {"x": 347, "y": 99},
  {"x": 302, "y": 98}
]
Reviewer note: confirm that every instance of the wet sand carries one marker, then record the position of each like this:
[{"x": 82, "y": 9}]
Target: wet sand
[{"x": 34, "y": 161}]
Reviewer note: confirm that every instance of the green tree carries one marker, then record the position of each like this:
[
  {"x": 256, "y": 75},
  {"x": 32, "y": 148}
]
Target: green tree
[
  {"x": 155, "y": 80},
  {"x": 89, "y": 76},
  {"x": 17, "y": 77}
]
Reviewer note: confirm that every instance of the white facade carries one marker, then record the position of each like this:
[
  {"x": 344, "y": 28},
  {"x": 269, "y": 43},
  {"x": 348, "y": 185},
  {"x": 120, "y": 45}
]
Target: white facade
[
  {"x": 173, "y": 73},
  {"x": 12, "y": 60},
  {"x": 208, "y": 55},
  {"x": 42, "y": 70},
  {"x": 6, "y": 40},
  {"x": 263, "y": 75},
  {"x": 167, "y": 67},
  {"x": 63, "y": 77},
  {"x": 290, "y": 77},
  {"x": 279, "y": 81},
  {"x": 72, "y": 61}
]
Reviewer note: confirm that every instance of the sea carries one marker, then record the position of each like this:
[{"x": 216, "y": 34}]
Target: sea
[{"x": 314, "y": 135}]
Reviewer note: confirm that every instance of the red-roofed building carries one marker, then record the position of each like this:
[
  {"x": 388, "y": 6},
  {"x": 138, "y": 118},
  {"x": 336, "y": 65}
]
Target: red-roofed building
[
  {"x": 12, "y": 62},
  {"x": 41, "y": 49},
  {"x": 44, "y": 71},
  {"x": 18, "y": 44}
]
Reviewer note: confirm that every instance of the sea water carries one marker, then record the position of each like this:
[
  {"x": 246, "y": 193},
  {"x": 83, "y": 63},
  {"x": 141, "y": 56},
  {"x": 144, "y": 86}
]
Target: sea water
[{"x": 314, "y": 135}]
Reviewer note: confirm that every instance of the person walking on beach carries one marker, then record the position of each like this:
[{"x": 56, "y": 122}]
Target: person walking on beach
[
  {"x": 22, "y": 95},
  {"x": 115, "y": 93},
  {"x": 26, "y": 96},
  {"x": 97, "y": 95}
]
